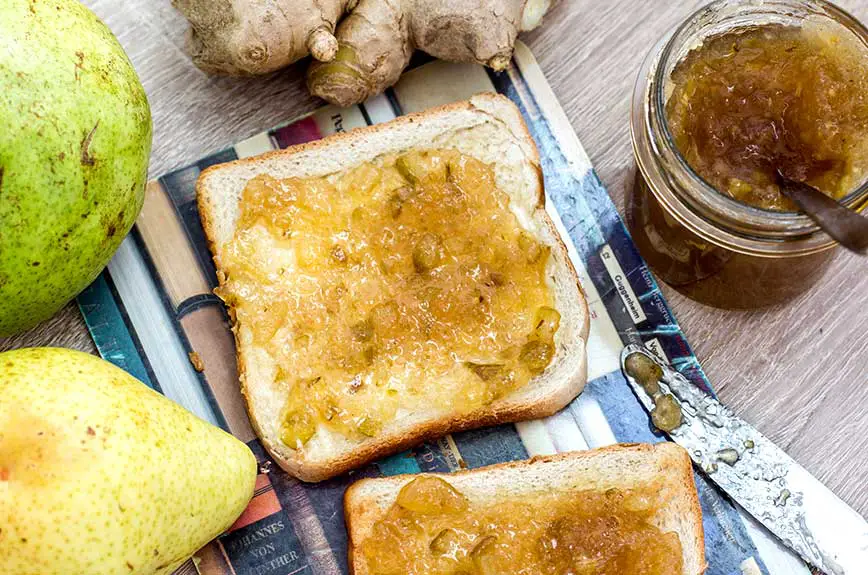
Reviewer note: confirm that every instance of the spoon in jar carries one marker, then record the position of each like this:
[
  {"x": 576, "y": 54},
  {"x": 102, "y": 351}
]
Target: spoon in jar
[{"x": 845, "y": 226}]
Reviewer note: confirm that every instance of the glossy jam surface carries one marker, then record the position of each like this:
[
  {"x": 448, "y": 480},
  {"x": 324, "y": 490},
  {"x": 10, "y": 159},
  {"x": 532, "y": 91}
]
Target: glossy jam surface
[
  {"x": 433, "y": 529},
  {"x": 399, "y": 285},
  {"x": 754, "y": 100}
]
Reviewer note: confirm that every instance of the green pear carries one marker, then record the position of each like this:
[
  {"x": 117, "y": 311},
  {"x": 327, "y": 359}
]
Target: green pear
[
  {"x": 75, "y": 137},
  {"x": 100, "y": 475}
]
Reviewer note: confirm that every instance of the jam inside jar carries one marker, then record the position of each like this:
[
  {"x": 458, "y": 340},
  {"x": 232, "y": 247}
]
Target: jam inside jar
[
  {"x": 738, "y": 92},
  {"x": 755, "y": 100}
]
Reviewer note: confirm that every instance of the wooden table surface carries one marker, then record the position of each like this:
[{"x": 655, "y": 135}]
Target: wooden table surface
[{"x": 798, "y": 372}]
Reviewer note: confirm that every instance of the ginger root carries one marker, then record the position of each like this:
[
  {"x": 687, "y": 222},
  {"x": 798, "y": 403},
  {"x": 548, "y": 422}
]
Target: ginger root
[
  {"x": 249, "y": 37},
  {"x": 378, "y": 38},
  {"x": 367, "y": 51}
]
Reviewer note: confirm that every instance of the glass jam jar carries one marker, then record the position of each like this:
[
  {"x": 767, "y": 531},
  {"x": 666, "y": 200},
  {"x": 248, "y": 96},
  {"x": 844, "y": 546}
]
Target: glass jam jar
[{"x": 705, "y": 244}]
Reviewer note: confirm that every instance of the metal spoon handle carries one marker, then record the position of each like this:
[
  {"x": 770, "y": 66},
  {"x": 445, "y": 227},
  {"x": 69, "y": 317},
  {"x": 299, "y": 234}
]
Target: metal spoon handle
[{"x": 847, "y": 227}]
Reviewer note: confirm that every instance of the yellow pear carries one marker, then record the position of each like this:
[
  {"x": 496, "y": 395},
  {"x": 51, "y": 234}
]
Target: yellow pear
[{"x": 100, "y": 475}]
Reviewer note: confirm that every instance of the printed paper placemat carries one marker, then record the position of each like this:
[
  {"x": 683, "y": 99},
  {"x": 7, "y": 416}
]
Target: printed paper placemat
[{"x": 153, "y": 313}]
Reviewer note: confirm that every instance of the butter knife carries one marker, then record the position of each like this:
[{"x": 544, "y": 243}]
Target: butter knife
[{"x": 792, "y": 504}]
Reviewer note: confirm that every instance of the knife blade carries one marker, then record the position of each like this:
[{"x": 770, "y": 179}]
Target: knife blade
[{"x": 802, "y": 512}]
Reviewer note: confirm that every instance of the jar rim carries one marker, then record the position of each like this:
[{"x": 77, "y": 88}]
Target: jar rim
[{"x": 754, "y": 222}]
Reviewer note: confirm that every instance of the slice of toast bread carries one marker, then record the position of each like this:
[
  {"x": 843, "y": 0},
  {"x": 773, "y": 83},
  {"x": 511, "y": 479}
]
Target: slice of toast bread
[
  {"x": 489, "y": 128},
  {"x": 617, "y": 466}
]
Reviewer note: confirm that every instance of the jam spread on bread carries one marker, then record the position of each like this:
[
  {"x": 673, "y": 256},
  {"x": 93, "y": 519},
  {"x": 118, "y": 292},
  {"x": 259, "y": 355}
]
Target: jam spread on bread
[
  {"x": 433, "y": 529},
  {"x": 400, "y": 286}
]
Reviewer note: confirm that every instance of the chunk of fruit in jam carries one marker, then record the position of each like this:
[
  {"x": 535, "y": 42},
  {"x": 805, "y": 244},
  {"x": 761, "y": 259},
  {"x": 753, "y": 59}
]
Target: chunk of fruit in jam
[{"x": 429, "y": 494}]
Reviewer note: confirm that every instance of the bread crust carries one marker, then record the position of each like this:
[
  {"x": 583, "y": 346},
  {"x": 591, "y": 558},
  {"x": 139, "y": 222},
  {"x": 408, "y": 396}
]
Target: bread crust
[
  {"x": 674, "y": 459},
  {"x": 388, "y": 443}
]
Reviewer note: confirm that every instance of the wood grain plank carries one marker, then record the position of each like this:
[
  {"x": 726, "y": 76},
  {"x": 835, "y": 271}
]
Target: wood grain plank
[{"x": 799, "y": 372}]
